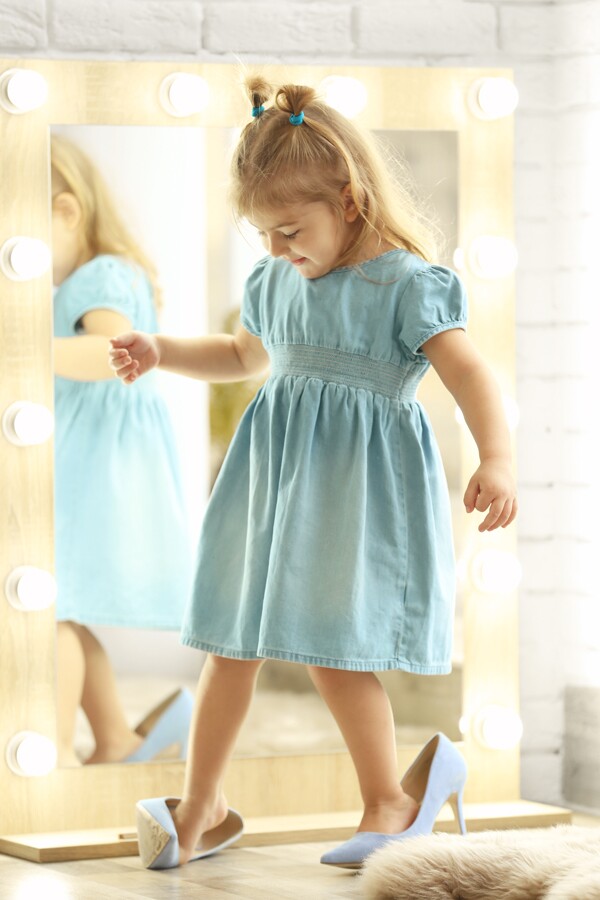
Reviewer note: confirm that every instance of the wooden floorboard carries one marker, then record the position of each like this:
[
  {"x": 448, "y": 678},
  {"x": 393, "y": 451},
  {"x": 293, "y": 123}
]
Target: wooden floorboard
[{"x": 287, "y": 872}]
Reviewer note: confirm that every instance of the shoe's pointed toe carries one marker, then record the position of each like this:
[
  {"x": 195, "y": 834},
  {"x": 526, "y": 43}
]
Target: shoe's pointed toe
[{"x": 352, "y": 853}]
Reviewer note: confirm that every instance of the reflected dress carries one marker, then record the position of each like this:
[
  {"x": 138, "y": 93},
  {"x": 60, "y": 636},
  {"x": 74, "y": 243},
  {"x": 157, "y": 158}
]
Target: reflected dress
[
  {"x": 327, "y": 539},
  {"x": 121, "y": 533}
]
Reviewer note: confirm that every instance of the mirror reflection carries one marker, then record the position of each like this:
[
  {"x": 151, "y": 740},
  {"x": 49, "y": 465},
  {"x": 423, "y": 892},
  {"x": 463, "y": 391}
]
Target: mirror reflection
[{"x": 123, "y": 581}]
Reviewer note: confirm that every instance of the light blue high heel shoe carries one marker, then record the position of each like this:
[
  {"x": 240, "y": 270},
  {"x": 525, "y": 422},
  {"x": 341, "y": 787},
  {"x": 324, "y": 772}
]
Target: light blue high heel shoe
[
  {"x": 157, "y": 838},
  {"x": 165, "y": 730},
  {"x": 437, "y": 776}
]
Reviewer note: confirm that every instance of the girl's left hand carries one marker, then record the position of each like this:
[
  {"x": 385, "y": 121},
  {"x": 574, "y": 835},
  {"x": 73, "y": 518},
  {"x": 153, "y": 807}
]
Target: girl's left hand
[{"x": 492, "y": 487}]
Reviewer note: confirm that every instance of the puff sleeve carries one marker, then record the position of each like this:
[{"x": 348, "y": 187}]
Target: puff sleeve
[
  {"x": 106, "y": 282},
  {"x": 250, "y": 316},
  {"x": 434, "y": 300}
]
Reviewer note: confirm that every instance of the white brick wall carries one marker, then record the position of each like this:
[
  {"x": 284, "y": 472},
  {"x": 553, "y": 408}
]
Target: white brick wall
[{"x": 554, "y": 48}]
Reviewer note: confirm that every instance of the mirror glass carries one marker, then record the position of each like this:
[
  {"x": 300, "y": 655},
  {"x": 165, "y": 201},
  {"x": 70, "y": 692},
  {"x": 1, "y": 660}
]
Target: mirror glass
[{"x": 169, "y": 185}]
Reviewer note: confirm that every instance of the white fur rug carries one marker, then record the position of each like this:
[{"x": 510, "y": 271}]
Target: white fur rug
[{"x": 559, "y": 863}]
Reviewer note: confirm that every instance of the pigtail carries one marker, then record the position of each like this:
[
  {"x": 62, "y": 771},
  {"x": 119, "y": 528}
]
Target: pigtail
[
  {"x": 259, "y": 93},
  {"x": 293, "y": 99}
]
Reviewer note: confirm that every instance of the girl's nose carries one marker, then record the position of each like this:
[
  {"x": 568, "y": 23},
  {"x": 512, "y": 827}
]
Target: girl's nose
[{"x": 276, "y": 245}]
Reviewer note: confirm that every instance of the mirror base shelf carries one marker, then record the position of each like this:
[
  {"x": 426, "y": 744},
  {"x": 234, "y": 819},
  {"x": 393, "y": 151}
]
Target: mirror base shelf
[{"x": 104, "y": 843}]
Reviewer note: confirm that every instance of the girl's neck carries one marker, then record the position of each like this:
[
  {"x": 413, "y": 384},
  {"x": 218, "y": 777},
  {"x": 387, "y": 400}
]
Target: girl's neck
[{"x": 372, "y": 248}]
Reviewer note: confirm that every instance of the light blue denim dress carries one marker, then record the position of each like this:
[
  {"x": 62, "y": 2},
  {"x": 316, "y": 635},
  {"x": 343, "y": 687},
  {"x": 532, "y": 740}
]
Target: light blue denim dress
[
  {"x": 327, "y": 539},
  {"x": 122, "y": 547}
]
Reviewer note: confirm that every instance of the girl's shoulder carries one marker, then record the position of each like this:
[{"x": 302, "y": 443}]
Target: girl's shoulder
[{"x": 107, "y": 266}]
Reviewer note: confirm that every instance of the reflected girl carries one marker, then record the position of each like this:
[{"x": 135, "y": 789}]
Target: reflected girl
[{"x": 122, "y": 554}]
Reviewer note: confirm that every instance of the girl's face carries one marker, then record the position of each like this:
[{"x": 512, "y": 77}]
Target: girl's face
[
  {"x": 311, "y": 236},
  {"x": 69, "y": 249}
]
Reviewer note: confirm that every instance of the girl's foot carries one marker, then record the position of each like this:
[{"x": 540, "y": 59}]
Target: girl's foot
[
  {"x": 192, "y": 821},
  {"x": 390, "y": 817},
  {"x": 117, "y": 751}
]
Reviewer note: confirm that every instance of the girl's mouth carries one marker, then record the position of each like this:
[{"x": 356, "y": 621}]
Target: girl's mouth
[{"x": 299, "y": 261}]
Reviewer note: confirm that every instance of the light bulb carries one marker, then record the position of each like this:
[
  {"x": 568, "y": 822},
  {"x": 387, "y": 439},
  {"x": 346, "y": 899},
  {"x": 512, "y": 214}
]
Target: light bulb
[
  {"x": 498, "y": 727},
  {"x": 491, "y": 256},
  {"x": 182, "y": 94},
  {"x": 30, "y": 589},
  {"x": 30, "y": 753},
  {"x": 22, "y": 90},
  {"x": 25, "y": 423},
  {"x": 24, "y": 258},
  {"x": 493, "y": 98},
  {"x": 495, "y": 571},
  {"x": 348, "y": 95}
]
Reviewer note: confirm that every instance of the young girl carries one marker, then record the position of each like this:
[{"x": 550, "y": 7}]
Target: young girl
[
  {"x": 114, "y": 451},
  {"x": 327, "y": 539}
]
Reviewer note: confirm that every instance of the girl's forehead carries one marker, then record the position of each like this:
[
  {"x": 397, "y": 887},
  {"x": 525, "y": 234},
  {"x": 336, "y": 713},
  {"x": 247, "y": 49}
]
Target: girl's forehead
[{"x": 282, "y": 216}]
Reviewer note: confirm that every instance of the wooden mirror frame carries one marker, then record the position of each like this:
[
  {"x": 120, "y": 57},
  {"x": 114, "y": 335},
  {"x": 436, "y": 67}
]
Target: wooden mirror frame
[{"x": 127, "y": 93}]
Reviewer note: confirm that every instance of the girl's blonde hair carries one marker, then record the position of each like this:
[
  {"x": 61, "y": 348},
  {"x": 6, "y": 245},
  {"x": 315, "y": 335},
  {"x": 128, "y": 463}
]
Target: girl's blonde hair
[
  {"x": 277, "y": 163},
  {"x": 73, "y": 172}
]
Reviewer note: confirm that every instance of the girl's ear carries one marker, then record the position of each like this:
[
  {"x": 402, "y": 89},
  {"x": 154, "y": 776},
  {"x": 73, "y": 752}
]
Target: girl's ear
[
  {"x": 68, "y": 207},
  {"x": 348, "y": 205}
]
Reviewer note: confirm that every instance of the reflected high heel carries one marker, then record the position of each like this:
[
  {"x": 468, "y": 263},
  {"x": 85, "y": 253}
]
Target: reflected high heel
[
  {"x": 437, "y": 776},
  {"x": 157, "y": 838},
  {"x": 165, "y": 730}
]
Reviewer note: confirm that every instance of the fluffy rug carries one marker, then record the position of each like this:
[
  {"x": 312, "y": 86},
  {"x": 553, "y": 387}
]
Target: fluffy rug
[{"x": 559, "y": 863}]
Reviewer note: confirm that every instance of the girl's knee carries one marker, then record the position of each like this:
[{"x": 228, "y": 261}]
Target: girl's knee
[
  {"x": 324, "y": 675},
  {"x": 224, "y": 664}
]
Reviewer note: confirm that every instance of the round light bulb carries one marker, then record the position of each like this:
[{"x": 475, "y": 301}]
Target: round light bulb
[
  {"x": 498, "y": 727},
  {"x": 182, "y": 94},
  {"x": 30, "y": 753},
  {"x": 491, "y": 256},
  {"x": 24, "y": 258},
  {"x": 348, "y": 95},
  {"x": 25, "y": 424},
  {"x": 30, "y": 589},
  {"x": 493, "y": 98},
  {"x": 22, "y": 90},
  {"x": 495, "y": 571}
]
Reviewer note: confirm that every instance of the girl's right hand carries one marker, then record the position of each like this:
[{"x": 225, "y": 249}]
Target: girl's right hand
[{"x": 133, "y": 354}]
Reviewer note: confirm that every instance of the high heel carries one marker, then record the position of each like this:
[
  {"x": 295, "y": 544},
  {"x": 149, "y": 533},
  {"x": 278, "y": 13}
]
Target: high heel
[
  {"x": 437, "y": 776},
  {"x": 165, "y": 730},
  {"x": 158, "y": 843}
]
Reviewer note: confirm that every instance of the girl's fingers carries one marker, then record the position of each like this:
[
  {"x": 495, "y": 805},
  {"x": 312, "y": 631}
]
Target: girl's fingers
[
  {"x": 511, "y": 518},
  {"x": 503, "y": 517},
  {"x": 501, "y": 513},
  {"x": 123, "y": 340}
]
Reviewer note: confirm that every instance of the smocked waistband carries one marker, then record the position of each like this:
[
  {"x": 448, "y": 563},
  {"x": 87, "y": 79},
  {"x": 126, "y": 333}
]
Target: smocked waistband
[{"x": 345, "y": 368}]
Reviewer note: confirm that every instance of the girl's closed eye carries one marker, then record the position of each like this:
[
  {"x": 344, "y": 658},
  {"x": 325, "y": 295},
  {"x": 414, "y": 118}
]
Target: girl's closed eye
[{"x": 290, "y": 236}]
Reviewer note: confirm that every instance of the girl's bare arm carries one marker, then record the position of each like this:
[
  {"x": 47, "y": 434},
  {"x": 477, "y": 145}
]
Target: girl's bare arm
[{"x": 470, "y": 381}]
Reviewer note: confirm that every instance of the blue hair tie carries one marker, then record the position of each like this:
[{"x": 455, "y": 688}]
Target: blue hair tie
[
  {"x": 297, "y": 120},
  {"x": 257, "y": 110}
]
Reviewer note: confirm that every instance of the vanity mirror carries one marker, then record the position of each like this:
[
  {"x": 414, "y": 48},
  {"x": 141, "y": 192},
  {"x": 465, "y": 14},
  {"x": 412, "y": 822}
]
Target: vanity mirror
[{"x": 464, "y": 138}]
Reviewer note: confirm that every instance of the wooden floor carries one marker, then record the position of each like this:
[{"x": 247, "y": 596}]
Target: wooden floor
[{"x": 286, "y": 872}]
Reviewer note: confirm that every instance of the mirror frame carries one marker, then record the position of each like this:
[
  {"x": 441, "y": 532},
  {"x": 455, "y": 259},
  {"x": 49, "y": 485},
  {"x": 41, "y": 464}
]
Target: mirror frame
[{"x": 119, "y": 93}]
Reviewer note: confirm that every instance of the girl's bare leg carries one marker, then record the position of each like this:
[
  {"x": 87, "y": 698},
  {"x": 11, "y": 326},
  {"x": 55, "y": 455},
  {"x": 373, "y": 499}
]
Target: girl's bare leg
[
  {"x": 363, "y": 713},
  {"x": 101, "y": 703},
  {"x": 70, "y": 675},
  {"x": 225, "y": 690}
]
